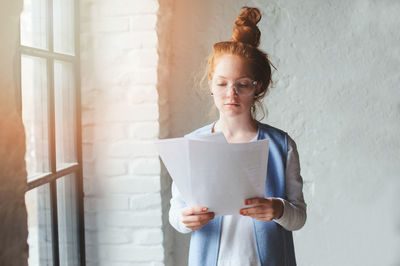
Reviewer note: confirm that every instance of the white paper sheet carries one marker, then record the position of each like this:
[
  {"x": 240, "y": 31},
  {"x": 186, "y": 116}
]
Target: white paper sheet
[{"x": 210, "y": 172}]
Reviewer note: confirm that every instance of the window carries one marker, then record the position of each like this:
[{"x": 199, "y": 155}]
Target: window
[{"x": 50, "y": 108}]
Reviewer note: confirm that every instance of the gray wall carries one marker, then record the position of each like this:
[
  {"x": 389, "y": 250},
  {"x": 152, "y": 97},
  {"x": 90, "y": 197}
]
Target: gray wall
[{"x": 336, "y": 93}]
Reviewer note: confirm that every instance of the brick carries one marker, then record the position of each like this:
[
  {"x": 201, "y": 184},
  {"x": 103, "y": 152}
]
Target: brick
[
  {"x": 125, "y": 40},
  {"x": 147, "y": 218},
  {"x": 111, "y": 167},
  {"x": 143, "y": 94},
  {"x": 91, "y": 221},
  {"x": 130, "y": 77},
  {"x": 104, "y": 59},
  {"x": 107, "y": 203},
  {"x": 148, "y": 236},
  {"x": 114, "y": 236},
  {"x": 87, "y": 117},
  {"x": 144, "y": 130},
  {"x": 126, "y": 185},
  {"x": 87, "y": 152},
  {"x": 90, "y": 237},
  {"x": 108, "y": 236},
  {"x": 146, "y": 58},
  {"x": 88, "y": 169},
  {"x": 115, "y": 95},
  {"x": 131, "y": 253},
  {"x": 133, "y": 148},
  {"x": 91, "y": 253},
  {"x": 127, "y": 7},
  {"x": 144, "y": 22},
  {"x": 148, "y": 263},
  {"x": 107, "y": 132},
  {"x": 86, "y": 43},
  {"x": 124, "y": 113},
  {"x": 146, "y": 76},
  {"x": 91, "y": 262},
  {"x": 119, "y": 75},
  {"x": 87, "y": 186},
  {"x": 145, "y": 166},
  {"x": 90, "y": 99},
  {"x": 112, "y": 263},
  {"x": 140, "y": 58},
  {"x": 145, "y": 201},
  {"x": 87, "y": 134},
  {"x": 106, "y": 25}
]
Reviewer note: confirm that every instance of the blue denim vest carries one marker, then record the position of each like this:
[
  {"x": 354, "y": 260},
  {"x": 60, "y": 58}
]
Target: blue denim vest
[{"x": 274, "y": 243}]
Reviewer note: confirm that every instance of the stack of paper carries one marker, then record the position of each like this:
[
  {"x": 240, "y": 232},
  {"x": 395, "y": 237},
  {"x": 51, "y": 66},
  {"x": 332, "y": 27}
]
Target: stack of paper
[{"x": 210, "y": 172}]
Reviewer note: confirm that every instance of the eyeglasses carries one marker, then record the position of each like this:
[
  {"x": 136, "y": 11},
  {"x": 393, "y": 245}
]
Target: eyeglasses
[{"x": 243, "y": 86}]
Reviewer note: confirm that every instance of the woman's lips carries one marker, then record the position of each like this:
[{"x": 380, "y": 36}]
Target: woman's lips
[{"x": 232, "y": 104}]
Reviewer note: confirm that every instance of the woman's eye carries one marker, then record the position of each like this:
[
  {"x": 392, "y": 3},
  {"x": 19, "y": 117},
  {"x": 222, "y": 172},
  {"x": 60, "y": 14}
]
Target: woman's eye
[{"x": 221, "y": 84}]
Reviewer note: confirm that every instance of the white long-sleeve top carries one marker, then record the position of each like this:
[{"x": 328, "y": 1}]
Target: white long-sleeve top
[{"x": 237, "y": 244}]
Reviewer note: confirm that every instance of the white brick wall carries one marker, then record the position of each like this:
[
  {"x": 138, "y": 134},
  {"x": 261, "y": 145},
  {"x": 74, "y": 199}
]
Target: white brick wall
[{"x": 119, "y": 63}]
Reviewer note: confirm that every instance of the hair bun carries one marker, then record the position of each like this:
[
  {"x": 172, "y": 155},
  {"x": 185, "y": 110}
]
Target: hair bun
[{"x": 245, "y": 29}]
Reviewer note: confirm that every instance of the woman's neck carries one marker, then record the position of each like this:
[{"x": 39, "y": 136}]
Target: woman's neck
[{"x": 237, "y": 129}]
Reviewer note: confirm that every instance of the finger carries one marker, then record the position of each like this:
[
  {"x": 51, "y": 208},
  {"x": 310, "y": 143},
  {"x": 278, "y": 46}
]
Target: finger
[
  {"x": 253, "y": 201},
  {"x": 260, "y": 209},
  {"x": 198, "y": 218},
  {"x": 196, "y": 224},
  {"x": 194, "y": 209}
]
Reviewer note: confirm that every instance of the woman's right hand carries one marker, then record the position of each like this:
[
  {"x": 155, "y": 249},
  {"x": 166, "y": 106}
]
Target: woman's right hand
[{"x": 195, "y": 217}]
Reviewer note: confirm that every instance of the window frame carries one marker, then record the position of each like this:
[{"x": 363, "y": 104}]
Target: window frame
[{"x": 75, "y": 168}]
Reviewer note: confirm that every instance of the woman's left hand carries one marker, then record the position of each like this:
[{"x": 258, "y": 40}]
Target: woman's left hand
[{"x": 265, "y": 209}]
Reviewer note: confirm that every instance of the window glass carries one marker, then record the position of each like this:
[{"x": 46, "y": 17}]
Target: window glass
[
  {"x": 34, "y": 23},
  {"x": 35, "y": 114},
  {"x": 39, "y": 226},
  {"x": 65, "y": 114},
  {"x": 63, "y": 19},
  {"x": 67, "y": 220}
]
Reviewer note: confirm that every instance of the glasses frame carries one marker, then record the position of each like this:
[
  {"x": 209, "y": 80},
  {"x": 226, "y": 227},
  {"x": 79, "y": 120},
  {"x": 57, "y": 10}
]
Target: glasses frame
[{"x": 233, "y": 84}]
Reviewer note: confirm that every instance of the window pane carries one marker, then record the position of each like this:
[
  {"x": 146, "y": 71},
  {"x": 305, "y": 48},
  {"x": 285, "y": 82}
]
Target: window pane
[
  {"x": 34, "y": 21},
  {"x": 63, "y": 17},
  {"x": 35, "y": 114},
  {"x": 67, "y": 220},
  {"x": 65, "y": 113},
  {"x": 39, "y": 226}
]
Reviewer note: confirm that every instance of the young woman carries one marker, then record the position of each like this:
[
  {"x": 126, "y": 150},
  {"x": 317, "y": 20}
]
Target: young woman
[{"x": 239, "y": 76}]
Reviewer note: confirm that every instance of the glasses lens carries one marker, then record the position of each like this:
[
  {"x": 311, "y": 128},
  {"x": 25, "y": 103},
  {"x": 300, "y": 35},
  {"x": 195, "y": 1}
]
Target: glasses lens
[{"x": 242, "y": 86}]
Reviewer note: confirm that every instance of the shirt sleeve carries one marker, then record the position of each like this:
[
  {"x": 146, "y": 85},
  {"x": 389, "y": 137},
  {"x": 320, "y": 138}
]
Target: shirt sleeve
[
  {"x": 177, "y": 205},
  {"x": 295, "y": 209}
]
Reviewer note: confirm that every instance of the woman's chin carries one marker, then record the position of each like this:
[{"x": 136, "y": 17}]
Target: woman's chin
[{"x": 232, "y": 112}]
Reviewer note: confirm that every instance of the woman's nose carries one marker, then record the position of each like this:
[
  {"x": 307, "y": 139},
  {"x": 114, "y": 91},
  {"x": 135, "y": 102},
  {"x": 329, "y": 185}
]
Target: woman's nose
[{"x": 231, "y": 90}]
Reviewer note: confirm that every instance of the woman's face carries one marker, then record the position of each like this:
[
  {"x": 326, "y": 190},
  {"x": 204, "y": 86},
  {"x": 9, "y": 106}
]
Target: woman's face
[{"x": 233, "y": 71}]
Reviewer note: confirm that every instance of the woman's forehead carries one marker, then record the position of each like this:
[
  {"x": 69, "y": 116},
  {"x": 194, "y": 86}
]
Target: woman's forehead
[{"x": 232, "y": 66}]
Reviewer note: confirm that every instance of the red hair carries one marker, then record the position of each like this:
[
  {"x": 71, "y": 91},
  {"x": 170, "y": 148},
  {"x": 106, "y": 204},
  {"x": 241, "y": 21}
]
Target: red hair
[{"x": 244, "y": 43}]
